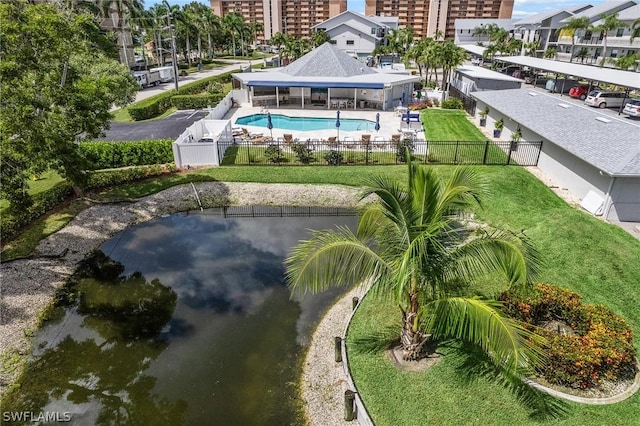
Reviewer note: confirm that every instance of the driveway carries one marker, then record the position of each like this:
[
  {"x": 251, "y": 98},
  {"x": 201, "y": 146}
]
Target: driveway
[{"x": 166, "y": 128}]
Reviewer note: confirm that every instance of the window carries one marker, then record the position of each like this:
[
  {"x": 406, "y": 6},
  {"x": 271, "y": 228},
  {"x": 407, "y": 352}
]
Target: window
[
  {"x": 614, "y": 53},
  {"x": 620, "y": 32},
  {"x": 373, "y": 30},
  {"x": 350, "y": 42}
]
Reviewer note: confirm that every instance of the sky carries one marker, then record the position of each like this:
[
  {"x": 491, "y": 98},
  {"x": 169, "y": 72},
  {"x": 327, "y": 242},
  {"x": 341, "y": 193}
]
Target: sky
[{"x": 521, "y": 9}]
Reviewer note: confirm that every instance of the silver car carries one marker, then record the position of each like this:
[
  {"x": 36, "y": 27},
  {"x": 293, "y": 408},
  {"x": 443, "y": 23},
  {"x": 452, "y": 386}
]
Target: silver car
[
  {"x": 632, "y": 108},
  {"x": 603, "y": 99}
]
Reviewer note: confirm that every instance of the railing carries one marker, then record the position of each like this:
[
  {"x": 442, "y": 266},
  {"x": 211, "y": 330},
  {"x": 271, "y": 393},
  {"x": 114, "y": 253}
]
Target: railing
[
  {"x": 468, "y": 102},
  {"x": 279, "y": 211},
  {"x": 322, "y": 153}
]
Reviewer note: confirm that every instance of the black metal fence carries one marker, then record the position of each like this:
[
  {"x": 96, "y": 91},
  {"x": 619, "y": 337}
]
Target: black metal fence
[
  {"x": 279, "y": 211},
  {"x": 380, "y": 153},
  {"x": 468, "y": 102}
]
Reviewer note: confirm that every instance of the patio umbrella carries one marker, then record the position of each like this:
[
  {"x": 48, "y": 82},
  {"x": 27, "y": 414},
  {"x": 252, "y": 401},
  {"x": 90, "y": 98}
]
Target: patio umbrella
[
  {"x": 338, "y": 123},
  {"x": 408, "y": 119},
  {"x": 377, "y": 126},
  {"x": 270, "y": 124}
]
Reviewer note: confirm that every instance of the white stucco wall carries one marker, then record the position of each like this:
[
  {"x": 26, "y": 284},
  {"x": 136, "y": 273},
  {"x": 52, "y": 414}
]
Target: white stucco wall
[{"x": 625, "y": 197}]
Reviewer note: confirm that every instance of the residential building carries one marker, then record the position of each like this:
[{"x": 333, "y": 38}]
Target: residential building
[
  {"x": 618, "y": 41},
  {"x": 428, "y": 17},
  {"x": 465, "y": 29},
  {"x": 357, "y": 34},
  {"x": 595, "y": 156},
  {"x": 293, "y": 17}
]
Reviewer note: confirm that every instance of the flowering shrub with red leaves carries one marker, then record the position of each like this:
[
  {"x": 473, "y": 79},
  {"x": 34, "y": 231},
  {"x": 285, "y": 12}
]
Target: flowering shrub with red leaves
[{"x": 600, "y": 348}]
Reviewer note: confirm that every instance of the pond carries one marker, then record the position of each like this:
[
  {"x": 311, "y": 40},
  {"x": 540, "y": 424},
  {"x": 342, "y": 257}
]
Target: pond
[{"x": 182, "y": 320}]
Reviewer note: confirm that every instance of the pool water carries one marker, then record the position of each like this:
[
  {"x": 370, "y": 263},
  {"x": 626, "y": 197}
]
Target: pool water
[
  {"x": 181, "y": 320},
  {"x": 285, "y": 122}
]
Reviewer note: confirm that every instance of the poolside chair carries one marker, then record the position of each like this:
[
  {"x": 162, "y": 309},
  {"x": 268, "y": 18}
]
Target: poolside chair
[
  {"x": 259, "y": 140},
  {"x": 332, "y": 142},
  {"x": 379, "y": 142},
  {"x": 365, "y": 141},
  {"x": 349, "y": 141},
  {"x": 395, "y": 140},
  {"x": 288, "y": 138}
]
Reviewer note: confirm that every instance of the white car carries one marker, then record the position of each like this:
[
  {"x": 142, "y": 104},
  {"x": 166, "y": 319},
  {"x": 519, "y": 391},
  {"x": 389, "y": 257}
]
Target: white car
[
  {"x": 604, "y": 99},
  {"x": 632, "y": 108}
]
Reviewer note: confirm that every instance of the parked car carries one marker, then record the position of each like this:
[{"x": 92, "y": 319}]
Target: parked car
[
  {"x": 560, "y": 85},
  {"x": 579, "y": 91},
  {"x": 632, "y": 108},
  {"x": 604, "y": 99},
  {"x": 509, "y": 70}
]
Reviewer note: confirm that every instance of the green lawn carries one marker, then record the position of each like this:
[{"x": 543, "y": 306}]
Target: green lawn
[
  {"x": 449, "y": 125},
  {"x": 582, "y": 253},
  {"x": 38, "y": 184}
]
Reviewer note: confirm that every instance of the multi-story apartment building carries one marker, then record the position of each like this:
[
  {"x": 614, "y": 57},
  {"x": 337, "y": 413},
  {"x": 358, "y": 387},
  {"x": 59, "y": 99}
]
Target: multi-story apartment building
[
  {"x": 427, "y": 17},
  {"x": 293, "y": 17}
]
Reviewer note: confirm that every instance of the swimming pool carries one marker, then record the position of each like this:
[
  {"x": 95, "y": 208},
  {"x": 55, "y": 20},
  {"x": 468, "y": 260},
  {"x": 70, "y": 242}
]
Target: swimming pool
[{"x": 306, "y": 123}]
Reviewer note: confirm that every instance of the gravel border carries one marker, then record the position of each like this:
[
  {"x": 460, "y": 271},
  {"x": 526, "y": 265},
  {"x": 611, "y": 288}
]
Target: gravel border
[{"x": 28, "y": 285}]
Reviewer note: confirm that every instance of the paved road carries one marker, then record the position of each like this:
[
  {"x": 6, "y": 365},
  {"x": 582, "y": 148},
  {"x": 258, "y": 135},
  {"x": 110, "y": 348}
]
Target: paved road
[{"x": 169, "y": 127}]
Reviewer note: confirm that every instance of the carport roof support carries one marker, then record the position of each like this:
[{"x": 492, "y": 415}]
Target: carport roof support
[{"x": 605, "y": 75}]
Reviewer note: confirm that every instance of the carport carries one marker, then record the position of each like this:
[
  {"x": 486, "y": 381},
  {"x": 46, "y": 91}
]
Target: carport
[{"x": 629, "y": 80}]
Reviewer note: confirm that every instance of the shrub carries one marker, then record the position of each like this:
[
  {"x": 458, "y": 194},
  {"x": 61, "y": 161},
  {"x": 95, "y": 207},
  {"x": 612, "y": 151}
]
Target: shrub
[
  {"x": 333, "y": 158},
  {"x": 196, "y": 101},
  {"x": 600, "y": 348},
  {"x": 401, "y": 150},
  {"x": 273, "y": 154},
  {"x": 420, "y": 105},
  {"x": 112, "y": 155},
  {"x": 304, "y": 154},
  {"x": 105, "y": 178},
  {"x": 151, "y": 107},
  {"x": 452, "y": 103}
]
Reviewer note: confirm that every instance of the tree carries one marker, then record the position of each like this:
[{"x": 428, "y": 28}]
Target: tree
[
  {"x": 58, "y": 88},
  {"x": 582, "y": 54},
  {"x": 609, "y": 22},
  {"x": 550, "y": 53},
  {"x": 410, "y": 250},
  {"x": 635, "y": 29},
  {"x": 572, "y": 26},
  {"x": 320, "y": 37},
  {"x": 532, "y": 47},
  {"x": 119, "y": 12},
  {"x": 233, "y": 23},
  {"x": 481, "y": 31},
  {"x": 626, "y": 62},
  {"x": 279, "y": 40},
  {"x": 212, "y": 24}
]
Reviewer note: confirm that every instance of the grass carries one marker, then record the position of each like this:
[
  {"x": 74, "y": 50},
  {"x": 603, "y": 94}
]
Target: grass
[
  {"x": 449, "y": 125},
  {"x": 582, "y": 253},
  {"x": 122, "y": 116},
  {"x": 45, "y": 181}
]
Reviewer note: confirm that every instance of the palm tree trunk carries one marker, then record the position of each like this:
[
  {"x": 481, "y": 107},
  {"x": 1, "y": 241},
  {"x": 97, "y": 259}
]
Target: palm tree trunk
[
  {"x": 188, "y": 51},
  {"x": 209, "y": 46},
  {"x": 412, "y": 339}
]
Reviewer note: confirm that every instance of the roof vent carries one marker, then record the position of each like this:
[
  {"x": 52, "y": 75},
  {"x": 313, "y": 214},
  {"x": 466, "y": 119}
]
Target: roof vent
[
  {"x": 533, "y": 94},
  {"x": 604, "y": 120},
  {"x": 564, "y": 106}
]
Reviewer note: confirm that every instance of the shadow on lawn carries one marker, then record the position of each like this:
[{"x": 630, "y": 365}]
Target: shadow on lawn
[{"x": 475, "y": 364}]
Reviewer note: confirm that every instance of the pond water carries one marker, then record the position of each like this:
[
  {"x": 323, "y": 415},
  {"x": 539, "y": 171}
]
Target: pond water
[{"x": 182, "y": 320}]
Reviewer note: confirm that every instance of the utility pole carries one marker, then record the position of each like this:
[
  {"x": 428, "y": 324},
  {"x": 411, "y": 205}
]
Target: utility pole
[{"x": 174, "y": 57}]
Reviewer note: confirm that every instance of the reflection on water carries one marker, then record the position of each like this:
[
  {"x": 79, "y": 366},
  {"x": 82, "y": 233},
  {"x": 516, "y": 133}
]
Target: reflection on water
[{"x": 182, "y": 320}]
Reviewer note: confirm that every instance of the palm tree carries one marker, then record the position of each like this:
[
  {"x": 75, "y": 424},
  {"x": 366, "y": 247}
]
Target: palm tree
[
  {"x": 233, "y": 23},
  {"x": 572, "y": 26},
  {"x": 118, "y": 12},
  {"x": 550, "y": 53},
  {"x": 609, "y": 22},
  {"x": 481, "y": 31},
  {"x": 320, "y": 37},
  {"x": 154, "y": 22},
  {"x": 582, "y": 54},
  {"x": 635, "y": 29},
  {"x": 410, "y": 250},
  {"x": 532, "y": 47},
  {"x": 279, "y": 40},
  {"x": 211, "y": 24}
]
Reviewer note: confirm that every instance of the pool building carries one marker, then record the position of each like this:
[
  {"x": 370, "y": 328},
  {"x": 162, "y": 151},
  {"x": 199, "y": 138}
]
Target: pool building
[{"x": 327, "y": 78}]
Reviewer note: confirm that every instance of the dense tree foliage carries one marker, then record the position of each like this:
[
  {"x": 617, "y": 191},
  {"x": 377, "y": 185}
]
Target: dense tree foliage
[{"x": 58, "y": 86}]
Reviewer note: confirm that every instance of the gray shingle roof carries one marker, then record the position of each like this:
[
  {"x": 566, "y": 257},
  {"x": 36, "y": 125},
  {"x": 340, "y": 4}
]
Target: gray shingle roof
[
  {"x": 613, "y": 146},
  {"x": 327, "y": 61}
]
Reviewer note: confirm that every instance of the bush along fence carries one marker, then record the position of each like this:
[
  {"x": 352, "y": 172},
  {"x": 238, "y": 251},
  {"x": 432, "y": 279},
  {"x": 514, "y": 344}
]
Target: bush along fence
[
  {"x": 380, "y": 153},
  {"x": 113, "y": 155}
]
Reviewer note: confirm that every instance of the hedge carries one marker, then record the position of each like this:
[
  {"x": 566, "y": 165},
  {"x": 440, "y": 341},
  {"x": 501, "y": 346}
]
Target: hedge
[
  {"x": 112, "y": 155},
  {"x": 158, "y": 104},
  {"x": 196, "y": 101},
  {"x": 12, "y": 222}
]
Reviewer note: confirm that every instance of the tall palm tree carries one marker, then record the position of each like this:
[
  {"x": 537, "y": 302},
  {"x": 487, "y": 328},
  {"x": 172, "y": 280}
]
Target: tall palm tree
[
  {"x": 212, "y": 24},
  {"x": 481, "y": 31},
  {"x": 409, "y": 249},
  {"x": 233, "y": 23},
  {"x": 635, "y": 29},
  {"x": 572, "y": 26},
  {"x": 609, "y": 22},
  {"x": 280, "y": 40},
  {"x": 154, "y": 22},
  {"x": 320, "y": 37}
]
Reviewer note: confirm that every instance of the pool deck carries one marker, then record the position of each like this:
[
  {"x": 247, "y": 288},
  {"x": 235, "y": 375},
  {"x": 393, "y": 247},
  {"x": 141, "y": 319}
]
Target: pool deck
[{"x": 390, "y": 122}]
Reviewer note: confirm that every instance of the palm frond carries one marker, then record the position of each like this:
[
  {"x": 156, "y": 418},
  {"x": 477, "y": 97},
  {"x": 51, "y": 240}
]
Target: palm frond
[
  {"x": 464, "y": 189},
  {"x": 500, "y": 251},
  {"x": 509, "y": 345},
  {"x": 333, "y": 259}
]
